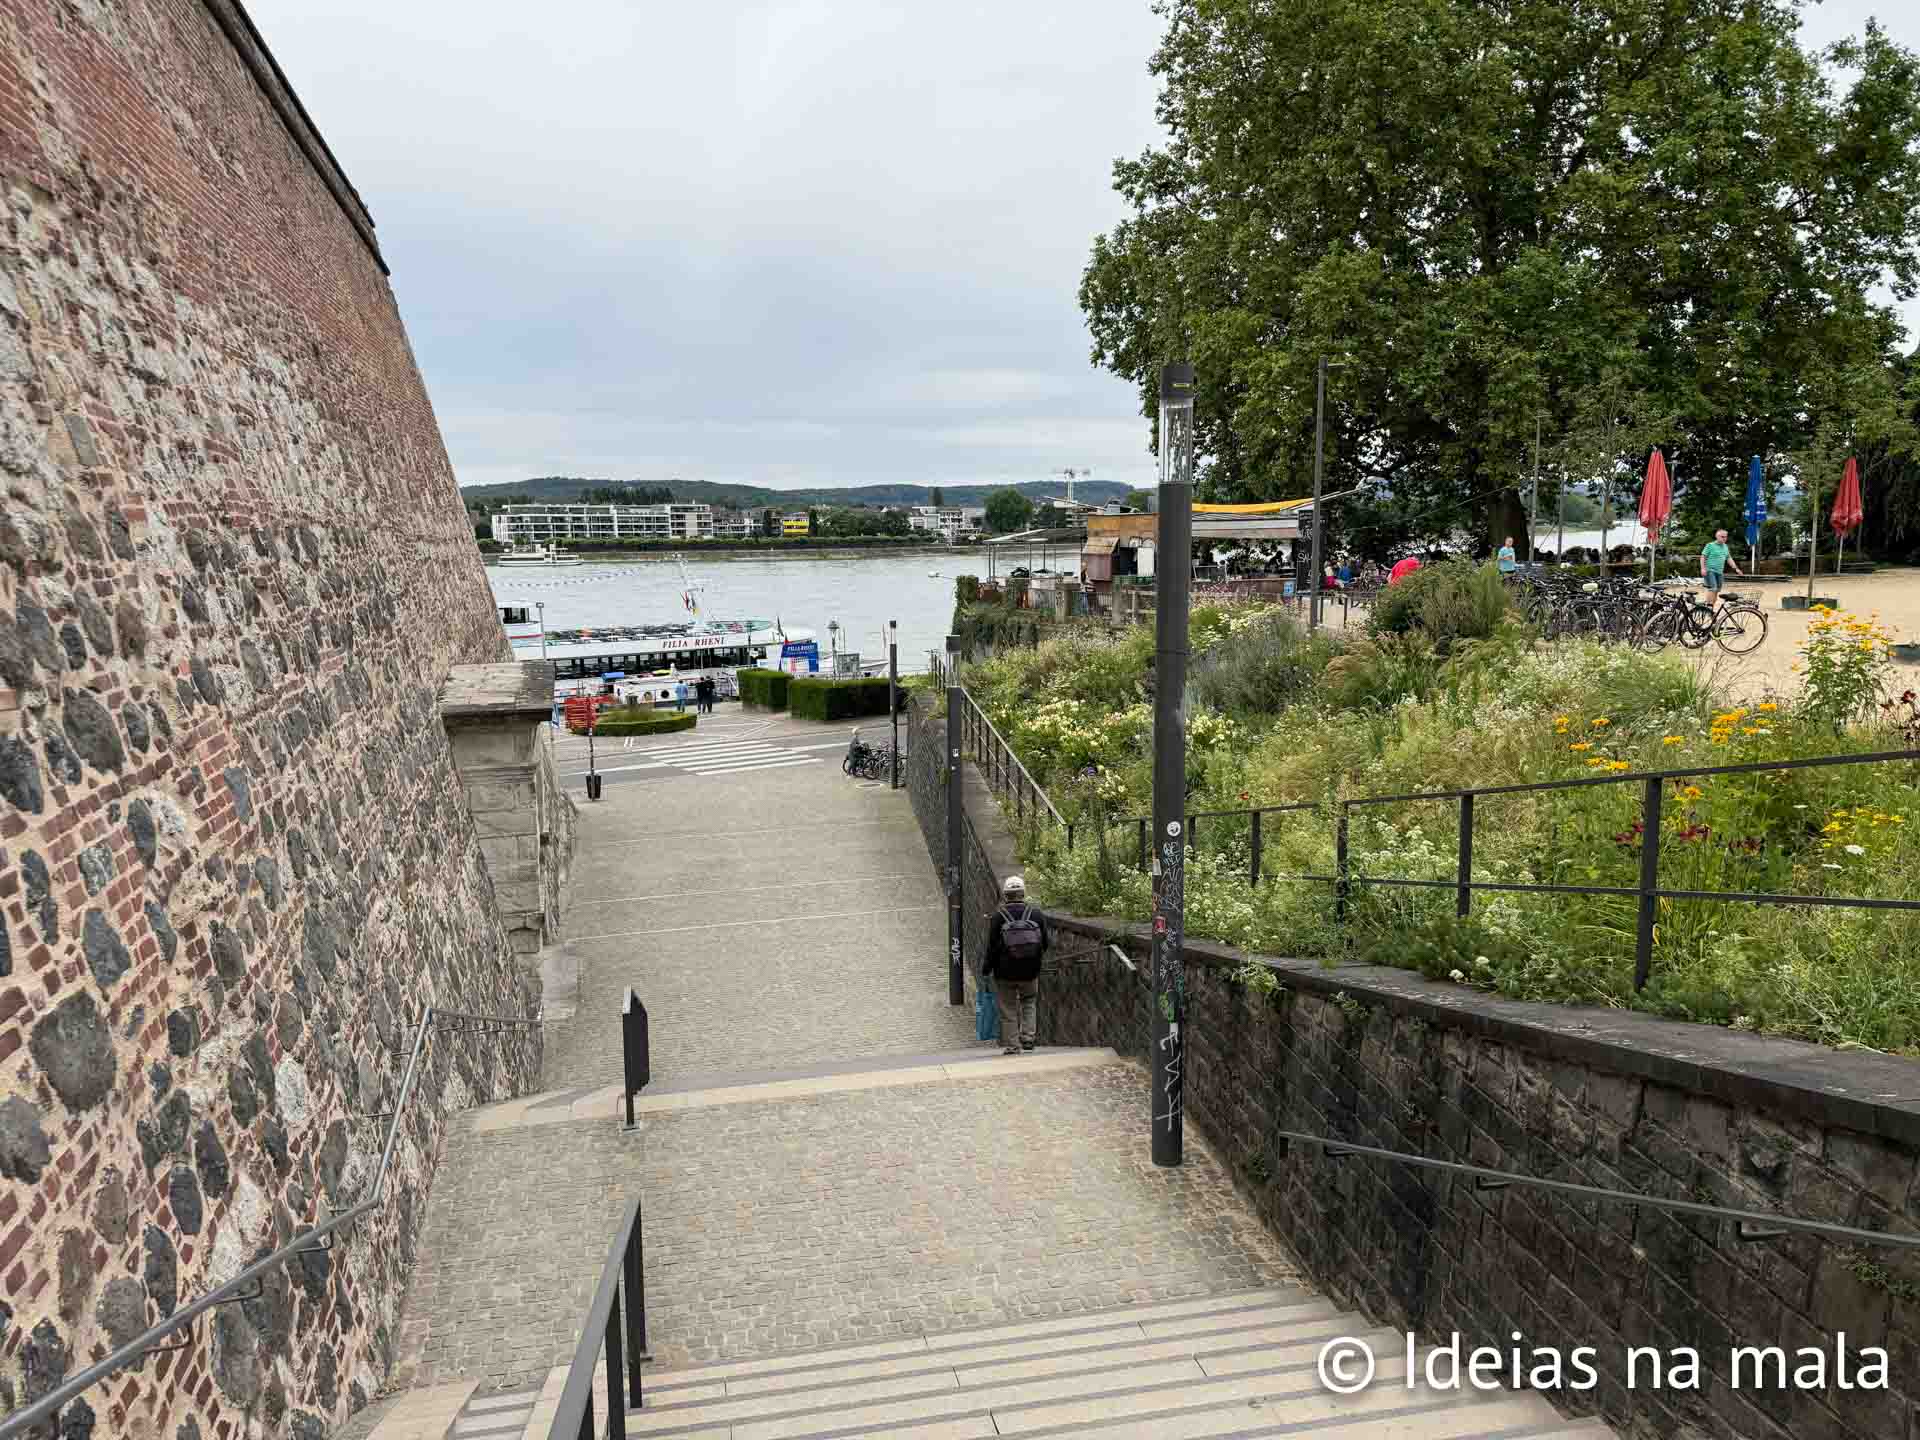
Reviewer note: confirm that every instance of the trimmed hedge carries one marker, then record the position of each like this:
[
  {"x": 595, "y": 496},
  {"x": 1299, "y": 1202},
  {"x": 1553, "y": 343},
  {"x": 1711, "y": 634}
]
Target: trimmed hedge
[
  {"x": 829, "y": 699},
  {"x": 620, "y": 722},
  {"x": 765, "y": 688}
]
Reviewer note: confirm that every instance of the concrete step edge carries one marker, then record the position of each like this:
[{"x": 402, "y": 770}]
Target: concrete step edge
[
  {"x": 1096, "y": 1350},
  {"x": 828, "y": 1357},
  {"x": 951, "y": 1400},
  {"x": 980, "y": 1376}
]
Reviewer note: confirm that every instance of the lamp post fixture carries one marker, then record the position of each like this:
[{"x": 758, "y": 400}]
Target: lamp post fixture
[
  {"x": 1319, "y": 452},
  {"x": 1173, "y": 562},
  {"x": 833, "y": 640},
  {"x": 541, "y": 606}
]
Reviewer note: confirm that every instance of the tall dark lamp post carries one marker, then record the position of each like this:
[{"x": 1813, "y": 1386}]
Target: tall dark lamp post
[
  {"x": 1174, "y": 563},
  {"x": 1319, "y": 453}
]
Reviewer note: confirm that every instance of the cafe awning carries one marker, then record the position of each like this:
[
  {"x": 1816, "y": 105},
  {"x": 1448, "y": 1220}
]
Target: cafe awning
[{"x": 1100, "y": 545}]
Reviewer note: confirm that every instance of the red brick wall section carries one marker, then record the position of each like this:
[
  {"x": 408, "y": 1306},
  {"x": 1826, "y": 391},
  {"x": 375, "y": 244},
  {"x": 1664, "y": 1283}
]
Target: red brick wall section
[{"x": 234, "y": 857}]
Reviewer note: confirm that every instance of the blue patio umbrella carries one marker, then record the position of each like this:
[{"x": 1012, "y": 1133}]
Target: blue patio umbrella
[{"x": 1756, "y": 508}]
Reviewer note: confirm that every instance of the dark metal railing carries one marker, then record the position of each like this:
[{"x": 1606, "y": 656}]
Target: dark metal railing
[
  {"x": 1749, "y": 1225},
  {"x": 1009, "y": 776},
  {"x": 624, "y": 1345},
  {"x": 319, "y": 1237}
]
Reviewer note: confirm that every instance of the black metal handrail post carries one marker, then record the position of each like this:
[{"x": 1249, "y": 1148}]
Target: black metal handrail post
[
  {"x": 573, "y": 1417},
  {"x": 1465, "y": 900},
  {"x": 1649, "y": 883}
]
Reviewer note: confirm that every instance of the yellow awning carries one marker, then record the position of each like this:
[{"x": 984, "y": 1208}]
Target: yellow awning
[
  {"x": 1274, "y": 507},
  {"x": 1100, "y": 545}
]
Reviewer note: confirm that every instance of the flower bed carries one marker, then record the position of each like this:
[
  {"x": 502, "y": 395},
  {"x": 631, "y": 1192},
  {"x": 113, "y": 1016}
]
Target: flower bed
[{"x": 1309, "y": 721}]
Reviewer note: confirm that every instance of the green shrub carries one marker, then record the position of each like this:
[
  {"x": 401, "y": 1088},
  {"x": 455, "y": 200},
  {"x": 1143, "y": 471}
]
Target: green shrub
[
  {"x": 1454, "y": 600},
  {"x": 1263, "y": 668},
  {"x": 765, "y": 688},
  {"x": 823, "y": 698},
  {"x": 642, "y": 722}
]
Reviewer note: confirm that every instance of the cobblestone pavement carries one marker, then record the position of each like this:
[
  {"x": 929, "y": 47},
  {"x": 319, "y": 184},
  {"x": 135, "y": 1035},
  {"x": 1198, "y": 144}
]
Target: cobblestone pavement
[
  {"x": 771, "y": 923},
  {"x": 765, "y": 921},
  {"x": 827, "y": 1220}
]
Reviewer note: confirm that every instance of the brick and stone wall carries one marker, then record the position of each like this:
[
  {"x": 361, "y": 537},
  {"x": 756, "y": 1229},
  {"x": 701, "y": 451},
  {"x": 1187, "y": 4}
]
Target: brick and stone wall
[
  {"x": 235, "y": 858},
  {"x": 1382, "y": 1057}
]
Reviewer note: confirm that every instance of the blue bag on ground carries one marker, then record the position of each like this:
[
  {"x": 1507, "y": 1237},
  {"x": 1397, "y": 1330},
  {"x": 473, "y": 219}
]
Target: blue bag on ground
[{"x": 986, "y": 1016}]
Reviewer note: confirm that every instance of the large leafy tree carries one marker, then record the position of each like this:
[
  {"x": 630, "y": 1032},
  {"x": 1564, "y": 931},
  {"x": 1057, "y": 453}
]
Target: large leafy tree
[
  {"x": 1007, "y": 511},
  {"x": 1501, "y": 213}
]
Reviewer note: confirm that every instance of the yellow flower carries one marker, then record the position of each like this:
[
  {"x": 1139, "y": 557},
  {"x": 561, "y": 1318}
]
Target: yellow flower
[
  {"x": 1769, "y": 706},
  {"x": 1601, "y": 720},
  {"x": 1673, "y": 739},
  {"x": 1598, "y": 760},
  {"x": 1832, "y": 828},
  {"x": 1692, "y": 792},
  {"x": 1619, "y": 765},
  {"x": 1751, "y": 730},
  {"x": 1560, "y": 720},
  {"x": 1580, "y": 745}
]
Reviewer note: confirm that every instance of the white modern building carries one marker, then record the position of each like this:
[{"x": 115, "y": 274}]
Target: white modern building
[
  {"x": 949, "y": 522},
  {"x": 545, "y": 524}
]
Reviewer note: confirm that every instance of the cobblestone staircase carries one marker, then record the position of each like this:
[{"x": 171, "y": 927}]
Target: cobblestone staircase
[{"x": 1226, "y": 1366}]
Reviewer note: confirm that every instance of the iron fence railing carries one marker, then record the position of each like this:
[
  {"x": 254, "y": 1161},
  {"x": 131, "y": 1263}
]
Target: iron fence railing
[
  {"x": 606, "y": 1331},
  {"x": 244, "y": 1286},
  {"x": 1012, "y": 780}
]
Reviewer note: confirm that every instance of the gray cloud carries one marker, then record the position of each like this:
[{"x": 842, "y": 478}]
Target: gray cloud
[{"x": 796, "y": 242}]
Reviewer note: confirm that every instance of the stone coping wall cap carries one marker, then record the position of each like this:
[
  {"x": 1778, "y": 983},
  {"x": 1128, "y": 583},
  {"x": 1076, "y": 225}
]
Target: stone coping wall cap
[
  {"x": 521, "y": 687},
  {"x": 1863, "y": 1090}
]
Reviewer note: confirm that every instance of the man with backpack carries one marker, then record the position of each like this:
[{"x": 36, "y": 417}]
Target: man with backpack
[{"x": 1017, "y": 939}]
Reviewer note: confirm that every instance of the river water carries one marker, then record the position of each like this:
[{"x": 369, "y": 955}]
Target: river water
[{"x": 862, "y": 594}]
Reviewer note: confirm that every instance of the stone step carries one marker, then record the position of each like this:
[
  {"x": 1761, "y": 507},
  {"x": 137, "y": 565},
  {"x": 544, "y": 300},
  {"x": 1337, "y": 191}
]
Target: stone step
[
  {"x": 1211, "y": 1368},
  {"x": 999, "y": 1368}
]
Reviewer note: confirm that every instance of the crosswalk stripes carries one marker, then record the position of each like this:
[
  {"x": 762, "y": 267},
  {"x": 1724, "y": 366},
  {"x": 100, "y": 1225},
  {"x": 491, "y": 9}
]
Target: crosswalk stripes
[{"x": 717, "y": 757}]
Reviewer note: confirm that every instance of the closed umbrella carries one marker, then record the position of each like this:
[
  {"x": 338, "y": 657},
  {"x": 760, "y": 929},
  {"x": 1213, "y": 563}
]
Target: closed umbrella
[
  {"x": 1847, "y": 509},
  {"x": 1656, "y": 504},
  {"x": 1756, "y": 510}
]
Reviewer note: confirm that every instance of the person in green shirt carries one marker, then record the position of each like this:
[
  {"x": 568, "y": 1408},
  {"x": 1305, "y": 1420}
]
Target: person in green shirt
[{"x": 1714, "y": 561}]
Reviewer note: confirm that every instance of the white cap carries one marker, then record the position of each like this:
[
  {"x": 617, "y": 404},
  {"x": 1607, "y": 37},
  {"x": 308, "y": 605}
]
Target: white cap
[{"x": 1013, "y": 885}]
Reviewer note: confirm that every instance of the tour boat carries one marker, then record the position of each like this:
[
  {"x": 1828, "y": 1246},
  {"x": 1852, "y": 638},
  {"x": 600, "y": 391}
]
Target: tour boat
[
  {"x": 646, "y": 661},
  {"x": 533, "y": 555}
]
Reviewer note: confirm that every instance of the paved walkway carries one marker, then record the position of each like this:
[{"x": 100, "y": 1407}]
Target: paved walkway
[{"x": 826, "y": 1154}]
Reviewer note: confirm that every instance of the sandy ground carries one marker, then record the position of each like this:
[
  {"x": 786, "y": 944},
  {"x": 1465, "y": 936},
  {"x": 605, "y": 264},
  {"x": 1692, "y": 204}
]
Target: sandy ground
[{"x": 1892, "y": 597}]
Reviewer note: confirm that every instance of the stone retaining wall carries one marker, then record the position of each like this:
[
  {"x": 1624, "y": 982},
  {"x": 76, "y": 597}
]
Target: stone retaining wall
[
  {"x": 1382, "y": 1057},
  {"x": 235, "y": 857}
]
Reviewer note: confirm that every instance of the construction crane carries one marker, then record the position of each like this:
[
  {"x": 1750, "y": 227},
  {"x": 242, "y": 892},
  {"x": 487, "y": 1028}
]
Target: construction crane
[{"x": 1073, "y": 475}]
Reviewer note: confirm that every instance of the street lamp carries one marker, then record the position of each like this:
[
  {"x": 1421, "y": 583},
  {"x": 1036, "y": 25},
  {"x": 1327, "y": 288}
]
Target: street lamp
[
  {"x": 1319, "y": 452},
  {"x": 833, "y": 640},
  {"x": 541, "y": 606}
]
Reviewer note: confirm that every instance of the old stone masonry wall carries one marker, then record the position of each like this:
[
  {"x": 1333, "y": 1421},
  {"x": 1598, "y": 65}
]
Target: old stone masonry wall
[{"x": 235, "y": 861}]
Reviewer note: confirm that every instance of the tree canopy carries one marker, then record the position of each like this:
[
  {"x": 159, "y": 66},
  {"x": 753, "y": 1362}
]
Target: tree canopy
[
  {"x": 1629, "y": 222},
  {"x": 1008, "y": 510}
]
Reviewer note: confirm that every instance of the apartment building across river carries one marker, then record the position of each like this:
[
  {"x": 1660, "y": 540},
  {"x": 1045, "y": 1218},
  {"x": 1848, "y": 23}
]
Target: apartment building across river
[{"x": 539, "y": 524}]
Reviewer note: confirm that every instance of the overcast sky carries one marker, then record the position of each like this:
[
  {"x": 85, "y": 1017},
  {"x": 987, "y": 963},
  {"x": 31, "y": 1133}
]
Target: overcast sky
[{"x": 794, "y": 242}]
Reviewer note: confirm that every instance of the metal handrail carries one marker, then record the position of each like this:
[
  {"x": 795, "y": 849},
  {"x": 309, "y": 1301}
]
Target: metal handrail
[
  {"x": 1764, "y": 1224},
  {"x": 22, "y": 1421},
  {"x": 626, "y": 1345},
  {"x": 980, "y": 715}
]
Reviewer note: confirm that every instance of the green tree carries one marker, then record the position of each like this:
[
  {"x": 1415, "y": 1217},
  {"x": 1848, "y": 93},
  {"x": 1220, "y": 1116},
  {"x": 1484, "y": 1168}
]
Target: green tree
[
  {"x": 1008, "y": 510},
  {"x": 1479, "y": 207},
  {"x": 1138, "y": 500}
]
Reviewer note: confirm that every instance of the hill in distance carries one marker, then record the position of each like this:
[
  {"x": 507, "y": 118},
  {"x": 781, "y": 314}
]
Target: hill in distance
[{"x": 756, "y": 497}]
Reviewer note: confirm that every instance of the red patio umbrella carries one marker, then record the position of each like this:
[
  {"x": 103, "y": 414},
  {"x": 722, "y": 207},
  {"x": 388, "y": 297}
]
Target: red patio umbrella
[
  {"x": 1656, "y": 504},
  {"x": 1848, "y": 512}
]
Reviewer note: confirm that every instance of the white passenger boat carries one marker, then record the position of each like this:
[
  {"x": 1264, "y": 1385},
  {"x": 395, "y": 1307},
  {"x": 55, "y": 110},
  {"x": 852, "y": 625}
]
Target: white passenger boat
[
  {"x": 532, "y": 556},
  {"x": 647, "y": 661}
]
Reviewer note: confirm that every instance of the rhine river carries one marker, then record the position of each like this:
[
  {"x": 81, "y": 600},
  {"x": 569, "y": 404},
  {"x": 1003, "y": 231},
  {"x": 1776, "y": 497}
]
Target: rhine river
[{"x": 861, "y": 594}]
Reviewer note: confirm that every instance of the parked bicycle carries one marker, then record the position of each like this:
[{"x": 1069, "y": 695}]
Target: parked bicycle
[
  {"x": 1737, "y": 625},
  {"x": 868, "y": 762}
]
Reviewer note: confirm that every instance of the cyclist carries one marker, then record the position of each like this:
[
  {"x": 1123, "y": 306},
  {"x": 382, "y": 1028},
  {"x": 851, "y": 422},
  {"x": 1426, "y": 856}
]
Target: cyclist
[{"x": 1714, "y": 560}]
